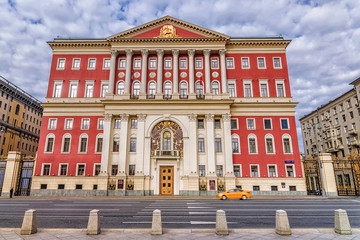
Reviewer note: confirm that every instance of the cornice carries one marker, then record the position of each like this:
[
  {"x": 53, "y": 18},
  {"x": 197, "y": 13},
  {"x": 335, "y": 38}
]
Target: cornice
[
  {"x": 76, "y": 43},
  {"x": 167, "y": 40},
  {"x": 258, "y": 42}
]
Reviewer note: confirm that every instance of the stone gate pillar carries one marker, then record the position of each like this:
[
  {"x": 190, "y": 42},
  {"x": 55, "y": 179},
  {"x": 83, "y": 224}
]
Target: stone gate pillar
[
  {"x": 11, "y": 172},
  {"x": 328, "y": 174}
]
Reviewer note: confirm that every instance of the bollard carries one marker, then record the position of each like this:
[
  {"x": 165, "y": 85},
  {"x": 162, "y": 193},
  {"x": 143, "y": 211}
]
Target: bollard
[
  {"x": 221, "y": 223},
  {"x": 156, "y": 228},
  {"x": 29, "y": 225},
  {"x": 93, "y": 223},
  {"x": 282, "y": 223},
  {"x": 342, "y": 224}
]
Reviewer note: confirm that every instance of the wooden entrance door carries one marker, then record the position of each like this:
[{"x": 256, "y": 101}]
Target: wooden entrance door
[{"x": 166, "y": 180}]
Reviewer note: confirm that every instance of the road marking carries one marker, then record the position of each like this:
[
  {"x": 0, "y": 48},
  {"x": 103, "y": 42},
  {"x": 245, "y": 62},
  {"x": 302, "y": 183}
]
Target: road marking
[
  {"x": 206, "y": 223},
  {"x": 355, "y": 200},
  {"x": 151, "y": 222},
  {"x": 199, "y": 207},
  {"x": 202, "y": 213}
]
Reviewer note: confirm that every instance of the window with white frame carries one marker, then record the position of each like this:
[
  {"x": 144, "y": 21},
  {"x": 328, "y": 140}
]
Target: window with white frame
[
  {"x": 250, "y": 124},
  {"x": 245, "y": 63},
  {"x": 116, "y": 144},
  {"x": 133, "y": 123},
  {"x": 46, "y": 169},
  {"x": 247, "y": 89},
  {"x": 218, "y": 145},
  {"x": 261, "y": 63},
  {"x": 231, "y": 87},
  {"x": 50, "y": 140},
  {"x": 57, "y": 89},
  {"x": 214, "y": 63},
  {"x": 73, "y": 89},
  {"x": 229, "y": 62},
  {"x": 280, "y": 89},
  {"x": 136, "y": 88},
  {"x": 63, "y": 169},
  {"x": 89, "y": 89},
  {"x": 201, "y": 170},
  {"x": 92, "y": 63},
  {"x": 198, "y": 63},
  {"x": 83, "y": 143},
  {"x": 272, "y": 170},
  {"x": 264, "y": 90},
  {"x": 152, "y": 63},
  {"x": 219, "y": 170},
  {"x": 269, "y": 142},
  {"x": 85, "y": 123},
  {"x": 106, "y": 64},
  {"x": 104, "y": 89},
  {"x": 122, "y": 63},
  {"x": 97, "y": 169},
  {"x": 183, "y": 63},
  {"x": 168, "y": 88},
  {"x": 60, "y": 64},
  {"x": 284, "y": 123},
  {"x": 183, "y": 89},
  {"x": 68, "y": 123},
  {"x": 237, "y": 170},
  {"x": 117, "y": 123},
  {"x": 66, "y": 143},
  {"x": 100, "y": 123},
  {"x": 76, "y": 64},
  {"x": 234, "y": 124},
  {"x": 199, "y": 88},
  {"x": 167, "y": 63},
  {"x": 215, "y": 87},
  {"x": 252, "y": 143},
  {"x": 99, "y": 144},
  {"x": 235, "y": 144},
  {"x": 277, "y": 62},
  {"x": 52, "y": 123},
  {"x": 80, "y": 169},
  {"x": 286, "y": 139},
  {"x": 152, "y": 88},
  {"x": 290, "y": 171},
  {"x": 137, "y": 63},
  {"x": 132, "y": 144},
  {"x": 254, "y": 170},
  {"x": 201, "y": 145},
  {"x": 120, "y": 88},
  {"x": 267, "y": 124}
]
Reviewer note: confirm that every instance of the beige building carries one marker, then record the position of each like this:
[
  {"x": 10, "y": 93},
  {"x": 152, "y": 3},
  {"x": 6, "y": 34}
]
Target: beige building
[{"x": 337, "y": 125}]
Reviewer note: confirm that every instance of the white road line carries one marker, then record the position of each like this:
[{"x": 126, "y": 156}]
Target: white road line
[
  {"x": 355, "y": 200},
  {"x": 202, "y": 213},
  {"x": 206, "y": 223},
  {"x": 151, "y": 222},
  {"x": 200, "y": 207}
]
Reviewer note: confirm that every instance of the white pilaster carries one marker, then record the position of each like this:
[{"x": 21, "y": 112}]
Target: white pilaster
[
  {"x": 104, "y": 171},
  {"x": 144, "y": 54},
  {"x": 160, "y": 54},
  {"x": 222, "y": 53},
  {"x": 191, "y": 53},
  {"x": 123, "y": 151},
  {"x": 129, "y": 54},
  {"x": 175, "y": 53},
  {"x": 147, "y": 157},
  {"x": 207, "y": 70},
  {"x": 140, "y": 140},
  {"x": 192, "y": 161},
  {"x": 228, "y": 168},
  {"x": 210, "y": 149},
  {"x": 114, "y": 54}
]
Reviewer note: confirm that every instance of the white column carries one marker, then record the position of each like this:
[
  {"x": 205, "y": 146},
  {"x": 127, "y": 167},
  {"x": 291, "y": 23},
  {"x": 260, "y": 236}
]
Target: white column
[
  {"x": 192, "y": 162},
  {"x": 129, "y": 54},
  {"x": 223, "y": 70},
  {"x": 228, "y": 168},
  {"x": 210, "y": 149},
  {"x": 160, "y": 54},
  {"x": 175, "y": 53},
  {"x": 106, "y": 145},
  {"x": 191, "y": 53},
  {"x": 144, "y": 54},
  {"x": 123, "y": 151},
  {"x": 140, "y": 140},
  {"x": 207, "y": 70},
  {"x": 147, "y": 157},
  {"x": 114, "y": 54}
]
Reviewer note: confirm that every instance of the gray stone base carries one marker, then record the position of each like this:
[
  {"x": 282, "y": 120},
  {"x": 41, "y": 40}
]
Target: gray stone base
[
  {"x": 68, "y": 193},
  {"x": 278, "y": 193},
  {"x": 197, "y": 193}
]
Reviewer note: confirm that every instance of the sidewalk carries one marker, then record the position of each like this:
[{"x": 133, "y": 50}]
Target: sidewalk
[{"x": 174, "y": 234}]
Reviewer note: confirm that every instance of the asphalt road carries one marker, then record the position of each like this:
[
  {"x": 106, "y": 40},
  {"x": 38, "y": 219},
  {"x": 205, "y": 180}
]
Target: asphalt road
[{"x": 137, "y": 213}]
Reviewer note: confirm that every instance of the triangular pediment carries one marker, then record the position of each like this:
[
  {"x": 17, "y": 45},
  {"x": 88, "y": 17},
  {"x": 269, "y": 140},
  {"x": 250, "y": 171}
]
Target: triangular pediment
[{"x": 168, "y": 27}]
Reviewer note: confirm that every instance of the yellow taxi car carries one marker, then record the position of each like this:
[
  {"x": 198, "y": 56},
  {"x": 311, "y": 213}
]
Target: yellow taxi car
[{"x": 234, "y": 193}]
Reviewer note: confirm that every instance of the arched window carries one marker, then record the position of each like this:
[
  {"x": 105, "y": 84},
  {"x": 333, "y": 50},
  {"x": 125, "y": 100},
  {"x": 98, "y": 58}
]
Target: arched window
[
  {"x": 183, "y": 89},
  {"x": 199, "y": 88},
  {"x": 270, "y": 144},
  {"x": 252, "y": 143},
  {"x": 166, "y": 141},
  {"x": 50, "y": 141},
  {"x": 235, "y": 143},
  {"x": 168, "y": 88},
  {"x": 152, "y": 88},
  {"x": 66, "y": 143},
  {"x": 83, "y": 142},
  {"x": 120, "y": 88},
  {"x": 136, "y": 88},
  {"x": 287, "y": 145},
  {"x": 215, "y": 87}
]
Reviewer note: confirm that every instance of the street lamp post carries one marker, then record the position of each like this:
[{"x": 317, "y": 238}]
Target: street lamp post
[{"x": 323, "y": 193}]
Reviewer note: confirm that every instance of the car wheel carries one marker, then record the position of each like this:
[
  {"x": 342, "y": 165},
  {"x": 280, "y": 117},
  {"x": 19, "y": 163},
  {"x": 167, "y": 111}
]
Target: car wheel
[
  {"x": 223, "y": 197},
  {"x": 243, "y": 197}
]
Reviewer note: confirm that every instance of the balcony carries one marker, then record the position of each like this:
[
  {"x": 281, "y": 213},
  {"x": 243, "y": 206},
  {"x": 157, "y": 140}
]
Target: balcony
[
  {"x": 134, "y": 96},
  {"x": 150, "y": 96},
  {"x": 167, "y": 96},
  {"x": 354, "y": 142},
  {"x": 184, "y": 96},
  {"x": 167, "y": 153},
  {"x": 331, "y": 149},
  {"x": 353, "y": 131},
  {"x": 200, "y": 96},
  {"x": 340, "y": 146}
]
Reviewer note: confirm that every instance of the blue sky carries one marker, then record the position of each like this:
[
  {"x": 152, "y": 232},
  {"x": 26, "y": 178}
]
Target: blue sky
[{"x": 323, "y": 57}]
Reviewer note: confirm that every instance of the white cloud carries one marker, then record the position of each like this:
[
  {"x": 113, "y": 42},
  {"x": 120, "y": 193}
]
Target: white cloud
[{"x": 322, "y": 58}]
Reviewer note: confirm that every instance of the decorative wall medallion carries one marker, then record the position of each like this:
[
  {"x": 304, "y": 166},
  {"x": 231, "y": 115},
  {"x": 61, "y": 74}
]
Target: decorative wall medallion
[
  {"x": 152, "y": 75},
  {"x": 199, "y": 74},
  {"x": 121, "y": 74},
  {"x": 183, "y": 74},
  {"x": 215, "y": 74},
  {"x": 168, "y": 74},
  {"x": 168, "y": 31},
  {"x": 136, "y": 75}
]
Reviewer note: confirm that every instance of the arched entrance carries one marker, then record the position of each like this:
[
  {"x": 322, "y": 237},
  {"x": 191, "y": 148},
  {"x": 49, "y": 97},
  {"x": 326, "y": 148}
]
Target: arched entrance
[{"x": 167, "y": 152}]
